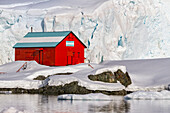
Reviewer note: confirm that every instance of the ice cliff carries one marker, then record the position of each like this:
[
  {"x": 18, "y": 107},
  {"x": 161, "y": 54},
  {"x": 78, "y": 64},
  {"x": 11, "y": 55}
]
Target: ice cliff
[{"x": 111, "y": 29}]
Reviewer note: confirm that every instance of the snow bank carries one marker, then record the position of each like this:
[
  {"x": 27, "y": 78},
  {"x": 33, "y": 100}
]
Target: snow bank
[
  {"x": 112, "y": 69},
  {"x": 92, "y": 96},
  {"x": 146, "y": 74},
  {"x": 149, "y": 95},
  {"x": 82, "y": 78},
  {"x": 26, "y": 84},
  {"x": 13, "y": 67},
  {"x": 61, "y": 80},
  {"x": 24, "y": 78}
]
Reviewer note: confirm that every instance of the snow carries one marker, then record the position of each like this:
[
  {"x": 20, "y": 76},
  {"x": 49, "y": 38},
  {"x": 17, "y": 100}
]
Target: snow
[
  {"x": 150, "y": 95},
  {"x": 112, "y": 69},
  {"x": 65, "y": 5},
  {"x": 111, "y": 29},
  {"x": 92, "y": 96},
  {"x": 24, "y": 78},
  {"x": 146, "y": 75},
  {"x": 41, "y": 39},
  {"x": 81, "y": 77}
]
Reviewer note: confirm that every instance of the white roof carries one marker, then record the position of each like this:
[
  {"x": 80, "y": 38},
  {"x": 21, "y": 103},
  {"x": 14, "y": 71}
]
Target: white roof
[{"x": 41, "y": 39}]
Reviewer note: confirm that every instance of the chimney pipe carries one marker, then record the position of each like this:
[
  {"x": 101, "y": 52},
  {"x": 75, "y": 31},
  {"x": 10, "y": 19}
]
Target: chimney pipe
[{"x": 31, "y": 29}]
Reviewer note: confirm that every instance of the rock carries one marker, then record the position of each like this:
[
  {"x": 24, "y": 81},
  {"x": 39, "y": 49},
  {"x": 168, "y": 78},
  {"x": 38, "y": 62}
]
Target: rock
[
  {"x": 123, "y": 78},
  {"x": 109, "y": 77},
  {"x": 104, "y": 77},
  {"x": 71, "y": 88},
  {"x": 40, "y": 77}
]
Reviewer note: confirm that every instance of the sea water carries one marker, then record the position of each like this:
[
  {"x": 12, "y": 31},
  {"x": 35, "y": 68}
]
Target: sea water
[{"x": 28, "y": 103}]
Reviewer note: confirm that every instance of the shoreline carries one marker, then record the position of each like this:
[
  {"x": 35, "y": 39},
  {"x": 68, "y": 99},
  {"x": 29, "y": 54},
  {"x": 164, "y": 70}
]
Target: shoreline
[{"x": 71, "y": 88}]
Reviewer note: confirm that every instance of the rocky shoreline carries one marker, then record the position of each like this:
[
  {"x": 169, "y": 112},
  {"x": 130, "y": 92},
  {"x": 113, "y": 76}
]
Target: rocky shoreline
[{"x": 71, "y": 88}]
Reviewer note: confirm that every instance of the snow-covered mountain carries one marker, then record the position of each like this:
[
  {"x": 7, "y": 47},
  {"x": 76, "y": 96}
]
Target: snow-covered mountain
[{"x": 111, "y": 29}]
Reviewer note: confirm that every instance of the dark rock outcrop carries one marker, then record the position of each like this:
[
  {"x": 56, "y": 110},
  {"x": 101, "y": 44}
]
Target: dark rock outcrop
[
  {"x": 123, "y": 78},
  {"x": 40, "y": 77},
  {"x": 109, "y": 77},
  {"x": 104, "y": 77}
]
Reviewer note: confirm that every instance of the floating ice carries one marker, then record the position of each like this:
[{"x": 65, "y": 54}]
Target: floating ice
[
  {"x": 149, "y": 95},
  {"x": 92, "y": 96}
]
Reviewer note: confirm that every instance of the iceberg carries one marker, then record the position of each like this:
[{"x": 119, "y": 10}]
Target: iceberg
[
  {"x": 149, "y": 95},
  {"x": 92, "y": 97}
]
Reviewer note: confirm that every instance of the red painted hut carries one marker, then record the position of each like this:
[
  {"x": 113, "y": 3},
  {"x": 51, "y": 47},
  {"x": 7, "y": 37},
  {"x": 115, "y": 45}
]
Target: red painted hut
[{"x": 50, "y": 48}]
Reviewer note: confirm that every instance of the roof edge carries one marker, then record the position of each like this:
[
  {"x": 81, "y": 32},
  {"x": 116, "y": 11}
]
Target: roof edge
[{"x": 67, "y": 32}]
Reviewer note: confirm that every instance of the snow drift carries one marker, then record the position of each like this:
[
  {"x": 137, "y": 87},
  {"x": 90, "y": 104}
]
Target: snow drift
[
  {"x": 24, "y": 78},
  {"x": 111, "y": 29},
  {"x": 147, "y": 75}
]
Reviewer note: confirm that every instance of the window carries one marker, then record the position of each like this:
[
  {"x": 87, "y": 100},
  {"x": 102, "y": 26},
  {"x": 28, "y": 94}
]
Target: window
[
  {"x": 78, "y": 54},
  {"x": 70, "y": 43}
]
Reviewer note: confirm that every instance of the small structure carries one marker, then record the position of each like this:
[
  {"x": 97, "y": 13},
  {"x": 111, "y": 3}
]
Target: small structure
[{"x": 50, "y": 48}]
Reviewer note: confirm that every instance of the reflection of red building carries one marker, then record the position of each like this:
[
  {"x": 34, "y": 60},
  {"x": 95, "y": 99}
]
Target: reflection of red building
[{"x": 50, "y": 48}]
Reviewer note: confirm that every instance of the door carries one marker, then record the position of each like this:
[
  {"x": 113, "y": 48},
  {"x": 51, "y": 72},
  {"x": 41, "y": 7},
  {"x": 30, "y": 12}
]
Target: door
[
  {"x": 38, "y": 56},
  {"x": 70, "y": 55},
  {"x": 69, "y": 60}
]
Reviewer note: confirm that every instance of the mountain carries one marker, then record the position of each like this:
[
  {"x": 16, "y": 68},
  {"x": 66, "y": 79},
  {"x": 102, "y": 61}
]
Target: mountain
[{"x": 111, "y": 29}]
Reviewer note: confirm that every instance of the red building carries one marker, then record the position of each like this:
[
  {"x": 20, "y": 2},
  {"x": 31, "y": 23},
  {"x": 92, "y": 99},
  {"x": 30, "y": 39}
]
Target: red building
[{"x": 50, "y": 48}]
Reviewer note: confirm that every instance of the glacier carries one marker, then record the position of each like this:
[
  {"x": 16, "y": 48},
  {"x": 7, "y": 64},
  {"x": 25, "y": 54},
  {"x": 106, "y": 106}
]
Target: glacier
[{"x": 111, "y": 29}]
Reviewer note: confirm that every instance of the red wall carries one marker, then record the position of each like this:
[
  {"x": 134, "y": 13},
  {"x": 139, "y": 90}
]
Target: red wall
[
  {"x": 45, "y": 56},
  {"x": 61, "y": 55},
  {"x": 69, "y": 55}
]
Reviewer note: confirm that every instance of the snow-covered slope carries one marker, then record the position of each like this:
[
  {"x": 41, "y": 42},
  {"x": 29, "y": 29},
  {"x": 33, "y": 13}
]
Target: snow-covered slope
[
  {"x": 148, "y": 75},
  {"x": 24, "y": 78},
  {"x": 111, "y": 29}
]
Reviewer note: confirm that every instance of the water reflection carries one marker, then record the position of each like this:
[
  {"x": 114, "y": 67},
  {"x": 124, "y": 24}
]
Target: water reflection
[
  {"x": 120, "y": 106},
  {"x": 149, "y": 106},
  {"x": 50, "y": 104}
]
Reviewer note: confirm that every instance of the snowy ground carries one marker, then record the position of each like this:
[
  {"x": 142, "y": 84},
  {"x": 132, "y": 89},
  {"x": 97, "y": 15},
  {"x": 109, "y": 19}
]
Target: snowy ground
[
  {"x": 152, "y": 75},
  {"x": 24, "y": 78},
  {"x": 148, "y": 74}
]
